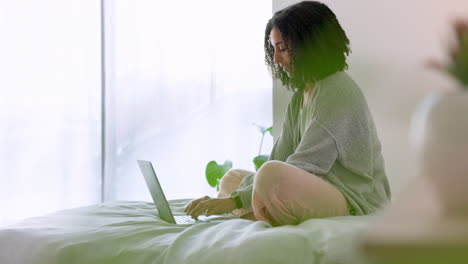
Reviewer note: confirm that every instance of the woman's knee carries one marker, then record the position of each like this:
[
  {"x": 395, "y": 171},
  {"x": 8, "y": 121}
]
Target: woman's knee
[
  {"x": 277, "y": 173},
  {"x": 229, "y": 183},
  {"x": 232, "y": 174},
  {"x": 271, "y": 166},
  {"x": 271, "y": 172}
]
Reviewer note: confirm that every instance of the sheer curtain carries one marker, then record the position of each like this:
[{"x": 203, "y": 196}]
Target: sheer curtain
[
  {"x": 49, "y": 106},
  {"x": 186, "y": 81}
]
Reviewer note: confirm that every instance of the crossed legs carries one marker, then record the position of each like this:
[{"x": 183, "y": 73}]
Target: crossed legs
[{"x": 284, "y": 194}]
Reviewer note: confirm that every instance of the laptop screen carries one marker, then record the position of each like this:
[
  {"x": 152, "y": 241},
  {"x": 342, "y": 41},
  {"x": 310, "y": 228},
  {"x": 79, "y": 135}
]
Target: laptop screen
[{"x": 156, "y": 191}]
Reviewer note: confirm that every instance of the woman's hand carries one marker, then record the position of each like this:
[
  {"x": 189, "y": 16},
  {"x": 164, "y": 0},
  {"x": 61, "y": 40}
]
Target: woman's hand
[{"x": 210, "y": 206}]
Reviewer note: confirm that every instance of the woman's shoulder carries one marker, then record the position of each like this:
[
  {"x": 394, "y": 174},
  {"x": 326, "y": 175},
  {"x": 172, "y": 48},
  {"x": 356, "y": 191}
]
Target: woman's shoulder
[
  {"x": 339, "y": 81},
  {"x": 339, "y": 94},
  {"x": 340, "y": 87}
]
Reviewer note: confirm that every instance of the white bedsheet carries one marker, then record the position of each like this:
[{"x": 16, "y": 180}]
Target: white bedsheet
[{"x": 130, "y": 232}]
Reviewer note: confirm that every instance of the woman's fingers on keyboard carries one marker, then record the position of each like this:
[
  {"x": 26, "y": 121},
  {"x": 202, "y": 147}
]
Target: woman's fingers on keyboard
[{"x": 194, "y": 204}]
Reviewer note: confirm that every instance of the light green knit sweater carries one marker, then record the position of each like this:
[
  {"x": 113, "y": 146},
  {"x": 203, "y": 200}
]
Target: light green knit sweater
[{"x": 338, "y": 143}]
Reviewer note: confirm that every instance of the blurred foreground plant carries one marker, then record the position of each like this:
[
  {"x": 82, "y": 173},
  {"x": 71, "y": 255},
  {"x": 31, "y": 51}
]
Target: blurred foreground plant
[
  {"x": 457, "y": 64},
  {"x": 214, "y": 171}
]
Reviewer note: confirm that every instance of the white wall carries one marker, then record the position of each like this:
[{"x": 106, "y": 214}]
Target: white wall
[{"x": 391, "y": 42}]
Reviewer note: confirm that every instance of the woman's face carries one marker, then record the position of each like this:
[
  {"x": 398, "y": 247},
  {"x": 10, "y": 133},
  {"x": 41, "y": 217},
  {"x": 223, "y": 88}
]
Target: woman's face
[{"x": 281, "y": 52}]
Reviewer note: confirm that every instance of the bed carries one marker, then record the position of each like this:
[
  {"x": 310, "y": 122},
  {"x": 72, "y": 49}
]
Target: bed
[{"x": 131, "y": 232}]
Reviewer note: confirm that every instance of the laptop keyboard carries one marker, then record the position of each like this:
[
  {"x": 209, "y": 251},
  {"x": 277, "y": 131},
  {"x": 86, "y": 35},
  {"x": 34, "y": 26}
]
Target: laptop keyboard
[{"x": 184, "y": 219}]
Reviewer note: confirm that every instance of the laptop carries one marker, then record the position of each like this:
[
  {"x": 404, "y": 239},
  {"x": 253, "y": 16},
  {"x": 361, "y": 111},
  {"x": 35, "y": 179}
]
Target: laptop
[{"x": 160, "y": 200}]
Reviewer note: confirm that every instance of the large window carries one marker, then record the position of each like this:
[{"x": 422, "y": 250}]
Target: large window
[
  {"x": 186, "y": 80},
  {"x": 49, "y": 106}
]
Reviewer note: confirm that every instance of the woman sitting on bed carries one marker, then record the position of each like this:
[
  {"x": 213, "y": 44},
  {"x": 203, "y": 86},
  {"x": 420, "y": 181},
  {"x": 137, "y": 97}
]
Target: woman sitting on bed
[{"x": 327, "y": 161}]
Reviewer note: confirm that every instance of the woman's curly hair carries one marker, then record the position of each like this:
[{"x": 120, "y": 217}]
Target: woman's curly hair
[{"x": 316, "y": 42}]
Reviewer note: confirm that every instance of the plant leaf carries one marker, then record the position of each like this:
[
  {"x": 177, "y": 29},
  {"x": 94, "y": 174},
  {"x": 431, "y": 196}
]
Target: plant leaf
[
  {"x": 259, "y": 160},
  {"x": 214, "y": 172},
  {"x": 270, "y": 129}
]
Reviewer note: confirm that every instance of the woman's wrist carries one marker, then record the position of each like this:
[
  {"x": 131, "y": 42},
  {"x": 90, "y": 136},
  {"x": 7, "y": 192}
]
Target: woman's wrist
[{"x": 237, "y": 201}]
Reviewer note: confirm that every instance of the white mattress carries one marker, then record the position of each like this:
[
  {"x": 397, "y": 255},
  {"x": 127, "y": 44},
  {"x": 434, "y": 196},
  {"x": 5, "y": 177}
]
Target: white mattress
[{"x": 131, "y": 232}]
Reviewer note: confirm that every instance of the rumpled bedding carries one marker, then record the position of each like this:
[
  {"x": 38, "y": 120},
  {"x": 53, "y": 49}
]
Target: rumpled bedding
[{"x": 131, "y": 232}]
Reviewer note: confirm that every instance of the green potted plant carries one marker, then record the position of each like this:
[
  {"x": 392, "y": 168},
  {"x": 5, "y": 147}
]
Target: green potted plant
[
  {"x": 214, "y": 171},
  {"x": 457, "y": 64}
]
